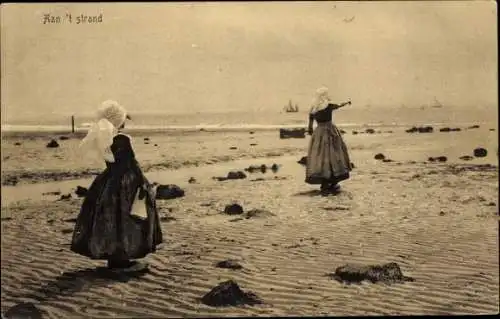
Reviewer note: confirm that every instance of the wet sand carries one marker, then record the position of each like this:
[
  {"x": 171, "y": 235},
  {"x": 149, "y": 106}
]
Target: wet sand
[{"x": 438, "y": 221}]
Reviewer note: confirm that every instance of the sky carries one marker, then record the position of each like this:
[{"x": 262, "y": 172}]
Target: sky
[{"x": 209, "y": 56}]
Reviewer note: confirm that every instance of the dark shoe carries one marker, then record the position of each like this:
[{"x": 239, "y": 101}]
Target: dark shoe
[{"x": 335, "y": 188}]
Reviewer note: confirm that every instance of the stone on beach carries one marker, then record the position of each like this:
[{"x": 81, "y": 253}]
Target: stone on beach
[
  {"x": 236, "y": 175},
  {"x": 466, "y": 158},
  {"x": 292, "y": 133},
  {"x": 303, "y": 160},
  {"x": 228, "y": 293},
  {"x": 81, "y": 191},
  {"x": 379, "y": 156},
  {"x": 420, "y": 129},
  {"x": 169, "y": 191},
  {"x": 480, "y": 152},
  {"x": 52, "y": 144},
  {"x": 274, "y": 167},
  {"x": 387, "y": 273},
  {"x": 65, "y": 197},
  {"x": 438, "y": 159},
  {"x": 233, "y": 209},
  {"x": 229, "y": 264}
]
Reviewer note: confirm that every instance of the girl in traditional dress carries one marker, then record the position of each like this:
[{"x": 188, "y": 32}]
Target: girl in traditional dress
[
  {"x": 118, "y": 220},
  {"x": 328, "y": 161}
]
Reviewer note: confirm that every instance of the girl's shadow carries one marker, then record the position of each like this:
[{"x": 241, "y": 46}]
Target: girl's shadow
[{"x": 75, "y": 281}]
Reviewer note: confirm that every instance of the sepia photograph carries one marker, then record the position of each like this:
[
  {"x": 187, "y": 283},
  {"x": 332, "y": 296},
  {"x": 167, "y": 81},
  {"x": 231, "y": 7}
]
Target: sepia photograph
[{"x": 249, "y": 159}]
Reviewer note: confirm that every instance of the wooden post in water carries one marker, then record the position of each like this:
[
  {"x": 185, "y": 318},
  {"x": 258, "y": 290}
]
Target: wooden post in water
[{"x": 72, "y": 124}]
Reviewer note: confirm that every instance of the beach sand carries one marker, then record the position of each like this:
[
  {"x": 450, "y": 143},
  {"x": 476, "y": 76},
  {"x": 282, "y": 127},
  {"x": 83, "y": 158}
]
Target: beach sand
[{"x": 438, "y": 221}]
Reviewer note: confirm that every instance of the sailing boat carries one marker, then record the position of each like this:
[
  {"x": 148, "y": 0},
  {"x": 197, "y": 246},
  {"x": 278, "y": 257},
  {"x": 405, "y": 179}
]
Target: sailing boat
[{"x": 437, "y": 104}]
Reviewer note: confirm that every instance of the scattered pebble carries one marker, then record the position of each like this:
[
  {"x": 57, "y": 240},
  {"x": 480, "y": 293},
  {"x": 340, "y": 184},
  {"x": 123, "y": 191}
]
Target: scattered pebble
[
  {"x": 233, "y": 209},
  {"x": 52, "y": 144},
  {"x": 229, "y": 264},
  {"x": 480, "y": 152},
  {"x": 387, "y": 273},
  {"x": 228, "y": 293}
]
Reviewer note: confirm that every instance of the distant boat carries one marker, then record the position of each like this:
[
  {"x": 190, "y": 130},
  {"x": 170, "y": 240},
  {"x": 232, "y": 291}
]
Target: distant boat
[
  {"x": 291, "y": 108},
  {"x": 437, "y": 104}
]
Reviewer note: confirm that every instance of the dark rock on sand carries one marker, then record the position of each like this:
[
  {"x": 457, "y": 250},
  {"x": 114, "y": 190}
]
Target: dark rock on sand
[
  {"x": 379, "y": 156},
  {"x": 146, "y": 139},
  {"x": 425, "y": 129},
  {"x": 387, "y": 273},
  {"x": 56, "y": 193},
  {"x": 370, "y": 131},
  {"x": 64, "y": 138},
  {"x": 263, "y": 168},
  {"x": 492, "y": 129},
  {"x": 10, "y": 181},
  {"x": 438, "y": 159},
  {"x": 354, "y": 132},
  {"x": 274, "y": 168},
  {"x": 233, "y": 148},
  {"x": 420, "y": 129},
  {"x": 253, "y": 144},
  {"x": 169, "y": 191},
  {"x": 480, "y": 152},
  {"x": 233, "y": 209},
  {"x": 52, "y": 144},
  {"x": 81, "y": 191},
  {"x": 412, "y": 130},
  {"x": 252, "y": 132},
  {"x": 473, "y": 126},
  {"x": 303, "y": 160},
  {"x": 293, "y": 133},
  {"x": 17, "y": 144},
  {"x": 252, "y": 168},
  {"x": 228, "y": 293},
  {"x": 342, "y": 132},
  {"x": 352, "y": 165},
  {"x": 23, "y": 310},
  {"x": 192, "y": 180},
  {"x": 387, "y": 160},
  {"x": 447, "y": 129},
  {"x": 236, "y": 175},
  {"x": 65, "y": 197},
  {"x": 442, "y": 158},
  {"x": 466, "y": 158},
  {"x": 229, "y": 264}
]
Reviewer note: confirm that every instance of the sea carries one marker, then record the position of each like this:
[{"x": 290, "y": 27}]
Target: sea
[{"x": 347, "y": 117}]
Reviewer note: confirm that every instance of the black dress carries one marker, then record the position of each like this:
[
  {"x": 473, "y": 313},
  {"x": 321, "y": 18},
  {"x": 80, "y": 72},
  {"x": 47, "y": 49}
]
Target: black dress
[
  {"x": 104, "y": 228},
  {"x": 328, "y": 160}
]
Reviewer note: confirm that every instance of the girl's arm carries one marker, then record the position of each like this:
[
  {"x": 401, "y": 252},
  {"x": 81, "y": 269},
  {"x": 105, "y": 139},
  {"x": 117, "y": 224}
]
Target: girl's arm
[{"x": 336, "y": 106}]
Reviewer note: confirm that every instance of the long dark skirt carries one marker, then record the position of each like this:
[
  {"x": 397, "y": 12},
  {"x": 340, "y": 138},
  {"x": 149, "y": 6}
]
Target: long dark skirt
[
  {"x": 105, "y": 229},
  {"x": 327, "y": 159}
]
